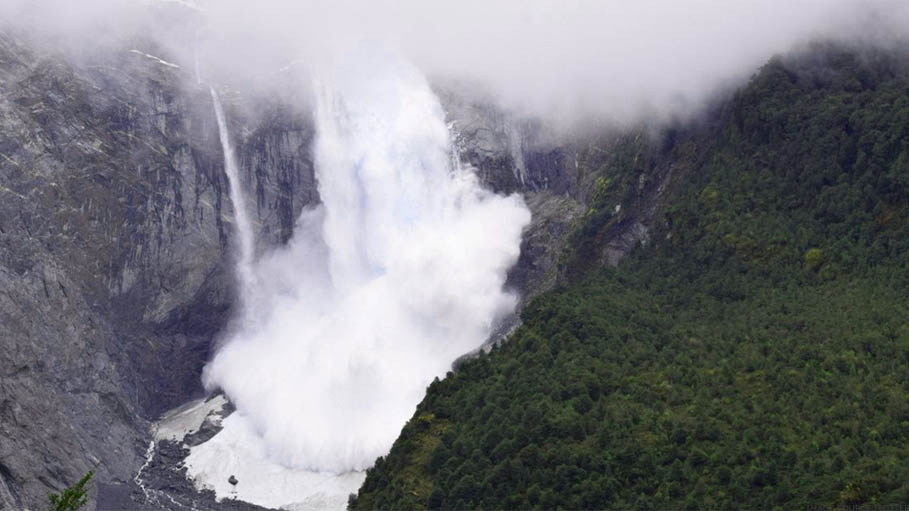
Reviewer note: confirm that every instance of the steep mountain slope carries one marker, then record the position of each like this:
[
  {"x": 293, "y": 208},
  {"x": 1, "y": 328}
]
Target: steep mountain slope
[
  {"x": 752, "y": 354},
  {"x": 114, "y": 242},
  {"x": 115, "y": 263}
]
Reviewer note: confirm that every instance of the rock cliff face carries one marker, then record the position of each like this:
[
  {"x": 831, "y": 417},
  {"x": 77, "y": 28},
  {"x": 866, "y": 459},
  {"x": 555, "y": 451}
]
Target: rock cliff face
[
  {"x": 114, "y": 264},
  {"x": 115, "y": 236},
  {"x": 560, "y": 175}
]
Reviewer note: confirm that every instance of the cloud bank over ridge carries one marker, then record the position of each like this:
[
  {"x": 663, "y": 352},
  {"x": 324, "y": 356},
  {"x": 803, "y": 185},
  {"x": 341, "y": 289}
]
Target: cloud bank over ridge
[{"x": 615, "y": 61}]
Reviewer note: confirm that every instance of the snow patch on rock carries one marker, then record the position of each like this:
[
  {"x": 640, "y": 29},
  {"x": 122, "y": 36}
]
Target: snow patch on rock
[{"x": 187, "y": 419}]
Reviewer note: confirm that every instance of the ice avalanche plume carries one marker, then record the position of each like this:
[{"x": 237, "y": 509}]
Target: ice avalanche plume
[{"x": 399, "y": 271}]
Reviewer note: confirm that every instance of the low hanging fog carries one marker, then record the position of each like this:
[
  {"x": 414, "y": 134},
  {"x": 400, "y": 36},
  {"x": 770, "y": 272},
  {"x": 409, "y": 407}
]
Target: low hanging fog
[{"x": 592, "y": 59}]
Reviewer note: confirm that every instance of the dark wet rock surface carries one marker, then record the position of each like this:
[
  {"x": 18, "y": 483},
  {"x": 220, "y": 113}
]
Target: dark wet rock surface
[{"x": 115, "y": 236}]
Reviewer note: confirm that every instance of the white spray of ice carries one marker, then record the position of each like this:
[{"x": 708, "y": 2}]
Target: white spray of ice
[{"x": 397, "y": 273}]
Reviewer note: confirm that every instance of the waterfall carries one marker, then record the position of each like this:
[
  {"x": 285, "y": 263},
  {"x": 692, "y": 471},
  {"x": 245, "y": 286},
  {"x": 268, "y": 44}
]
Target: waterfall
[
  {"x": 244, "y": 229},
  {"x": 398, "y": 272}
]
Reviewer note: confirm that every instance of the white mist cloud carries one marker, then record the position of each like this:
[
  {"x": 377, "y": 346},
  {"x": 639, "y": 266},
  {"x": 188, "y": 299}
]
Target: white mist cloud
[
  {"x": 606, "y": 59},
  {"x": 612, "y": 60},
  {"x": 397, "y": 273}
]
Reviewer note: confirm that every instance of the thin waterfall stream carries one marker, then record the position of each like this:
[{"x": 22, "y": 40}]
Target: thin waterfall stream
[{"x": 244, "y": 226}]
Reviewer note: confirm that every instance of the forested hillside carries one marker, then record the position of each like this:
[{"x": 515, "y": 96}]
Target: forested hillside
[{"x": 753, "y": 354}]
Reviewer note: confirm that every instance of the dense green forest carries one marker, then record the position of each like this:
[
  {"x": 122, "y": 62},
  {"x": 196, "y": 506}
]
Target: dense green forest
[{"x": 754, "y": 354}]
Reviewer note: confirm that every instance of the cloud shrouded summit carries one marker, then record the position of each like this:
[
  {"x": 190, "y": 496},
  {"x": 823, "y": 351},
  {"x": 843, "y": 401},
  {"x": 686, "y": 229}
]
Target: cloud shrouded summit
[{"x": 612, "y": 61}]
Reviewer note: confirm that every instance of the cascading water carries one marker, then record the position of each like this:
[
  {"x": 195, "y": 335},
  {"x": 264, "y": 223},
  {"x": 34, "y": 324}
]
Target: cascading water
[
  {"x": 397, "y": 273},
  {"x": 244, "y": 228}
]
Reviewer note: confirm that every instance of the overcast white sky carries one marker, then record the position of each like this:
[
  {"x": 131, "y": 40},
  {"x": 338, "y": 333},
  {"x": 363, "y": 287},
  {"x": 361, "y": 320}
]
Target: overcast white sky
[{"x": 618, "y": 60}]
